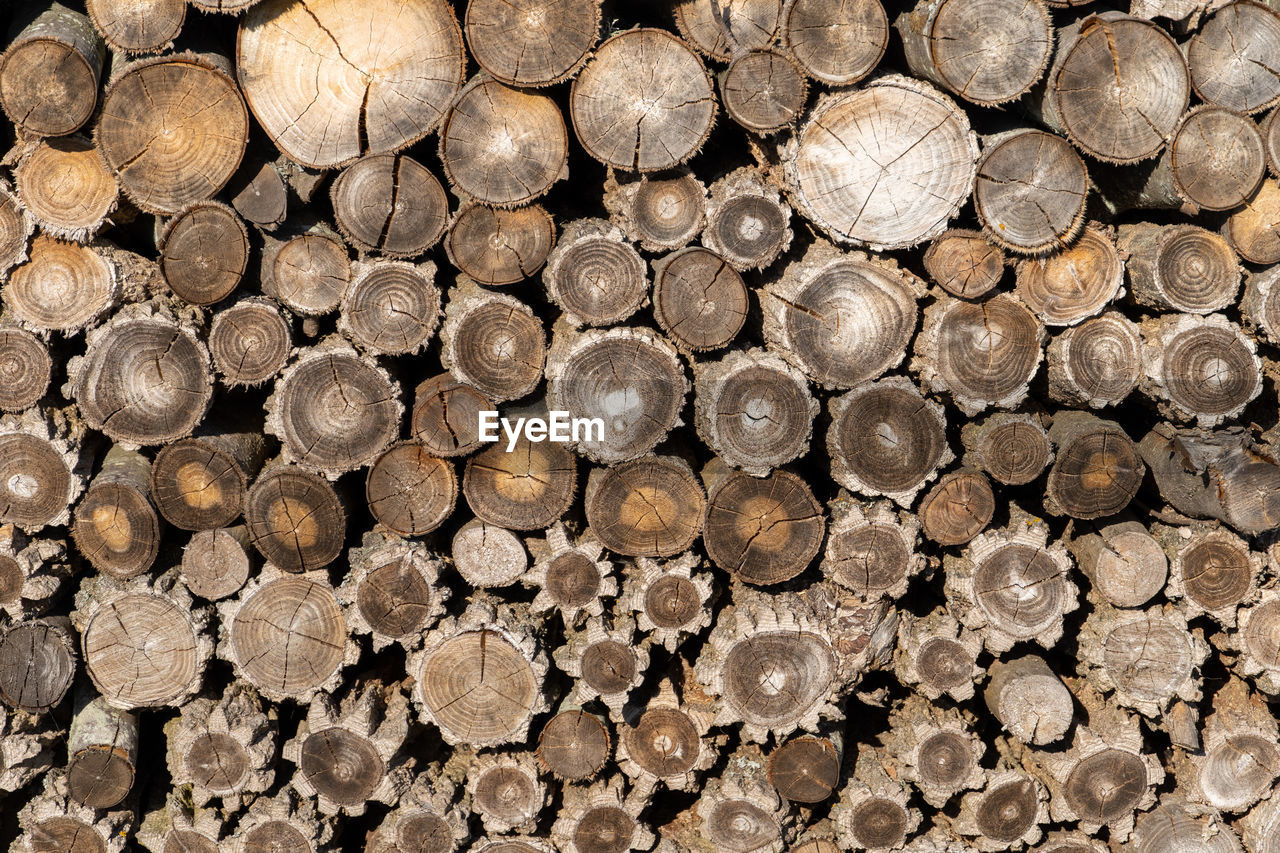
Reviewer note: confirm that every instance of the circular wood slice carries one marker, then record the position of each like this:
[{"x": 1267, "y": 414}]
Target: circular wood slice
[
  {"x": 805, "y": 769},
  {"x": 173, "y": 129},
  {"x": 99, "y": 777},
  {"x": 958, "y": 508},
  {"x": 920, "y": 173},
  {"x": 341, "y": 766},
  {"x": 944, "y": 760},
  {"x": 1097, "y": 363},
  {"x": 479, "y": 687},
  {"x": 848, "y": 323},
  {"x": 396, "y": 600},
  {"x": 631, "y": 379},
  {"x": 872, "y": 558},
  {"x": 749, "y": 230},
  {"x": 989, "y": 51},
  {"x": 329, "y": 82},
  {"x": 275, "y": 835},
  {"x": 1239, "y": 771},
  {"x": 1007, "y": 811},
  {"x": 1217, "y": 157},
  {"x": 837, "y": 45},
  {"x": 392, "y": 308},
  {"x": 944, "y": 664},
  {"x": 37, "y": 665},
  {"x": 409, "y": 491},
  {"x": 987, "y": 352},
  {"x": 879, "y": 823},
  {"x": 532, "y": 42},
  {"x": 446, "y": 416},
  {"x": 217, "y": 762},
  {"x": 1013, "y": 449},
  {"x": 1073, "y": 284},
  {"x": 603, "y": 828},
  {"x": 25, "y": 369},
  {"x": 496, "y": 246},
  {"x": 137, "y": 26},
  {"x": 49, "y": 74},
  {"x": 334, "y": 411},
  {"x": 1119, "y": 88},
  {"x": 141, "y": 651},
  {"x": 669, "y": 212},
  {"x": 698, "y": 299},
  {"x": 507, "y": 793},
  {"x": 799, "y": 663},
  {"x": 145, "y": 380},
  {"x": 1232, "y": 57},
  {"x": 886, "y": 439},
  {"x": 295, "y": 519},
  {"x": 391, "y": 204},
  {"x": 63, "y": 287},
  {"x": 1022, "y": 588},
  {"x": 764, "y": 91},
  {"x": 644, "y": 102},
  {"x": 249, "y": 342},
  {"x": 486, "y": 555},
  {"x": 311, "y": 272},
  {"x": 214, "y": 563},
  {"x": 763, "y": 531},
  {"x": 1216, "y": 572},
  {"x": 754, "y": 412},
  {"x": 60, "y": 833},
  {"x": 16, "y": 226},
  {"x": 259, "y": 195},
  {"x": 964, "y": 263},
  {"x": 288, "y": 636},
  {"x": 35, "y": 482},
  {"x": 1096, "y": 473},
  {"x": 527, "y": 488},
  {"x": 1208, "y": 370},
  {"x": 1030, "y": 191},
  {"x": 1260, "y": 637},
  {"x": 664, "y": 742},
  {"x": 64, "y": 184},
  {"x": 724, "y": 31},
  {"x": 648, "y": 507},
  {"x": 503, "y": 146},
  {"x": 596, "y": 277},
  {"x": 116, "y": 529},
  {"x": 1254, "y": 230},
  {"x": 204, "y": 252},
  {"x": 1148, "y": 658},
  {"x": 496, "y": 344},
  {"x": 197, "y": 486},
  {"x": 1180, "y": 267}
]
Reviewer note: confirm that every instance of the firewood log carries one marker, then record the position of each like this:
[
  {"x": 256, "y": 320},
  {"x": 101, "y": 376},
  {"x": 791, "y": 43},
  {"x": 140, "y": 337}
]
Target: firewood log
[
  {"x": 1211, "y": 571},
  {"x": 1117, "y": 87},
  {"x": 1255, "y": 639},
  {"x": 850, "y": 196},
  {"x": 1229, "y": 57},
  {"x": 936, "y": 654},
  {"x": 49, "y": 73},
  {"x": 764, "y": 91},
  {"x": 628, "y": 376},
  {"x": 257, "y": 192},
  {"x": 308, "y": 273},
  {"x": 372, "y": 215},
  {"x": 957, "y": 508},
  {"x": 66, "y": 187},
  {"x": 249, "y": 342},
  {"x": 1198, "y": 367},
  {"x": 1252, "y": 230},
  {"x": 936, "y": 750},
  {"x": 1097, "y": 363},
  {"x": 102, "y": 752},
  {"x": 446, "y": 416},
  {"x": 37, "y": 663},
  {"x": 739, "y": 809},
  {"x": 1177, "y": 825},
  {"x": 1179, "y": 268},
  {"x": 806, "y": 769},
  {"x": 1259, "y": 308},
  {"x": 574, "y": 745},
  {"x": 594, "y": 275},
  {"x": 1125, "y": 565},
  {"x": 870, "y": 549},
  {"x": 62, "y": 286},
  {"x": 506, "y": 792},
  {"x": 653, "y": 506},
  {"x": 699, "y": 300},
  {"x": 348, "y": 749},
  {"x": 1008, "y": 813},
  {"x": 748, "y": 222},
  {"x": 200, "y": 483},
  {"x": 671, "y": 599},
  {"x": 296, "y": 520},
  {"x": 667, "y": 743},
  {"x": 28, "y": 753},
  {"x": 503, "y": 146},
  {"x": 1012, "y": 448},
  {"x": 1012, "y": 585},
  {"x": 598, "y": 817},
  {"x": 493, "y": 342},
  {"x": 605, "y": 663},
  {"x": 41, "y": 467},
  {"x": 1031, "y": 187},
  {"x": 480, "y": 676},
  {"x": 53, "y": 820},
  {"x": 1216, "y": 156},
  {"x": 1076, "y": 283},
  {"x": 532, "y": 42},
  {"x": 983, "y": 354},
  {"x": 497, "y": 246},
  {"x": 426, "y": 816},
  {"x": 660, "y": 212},
  {"x": 761, "y": 530},
  {"x": 204, "y": 251},
  {"x": 523, "y": 485},
  {"x": 174, "y": 822},
  {"x": 392, "y": 592},
  {"x": 842, "y": 318},
  {"x": 16, "y": 226},
  {"x": 986, "y": 51},
  {"x": 837, "y": 45},
  {"x": 1029, "y": 699},
  {"x": 624, "y": 119},
  {"x": 223, "y": 747},
  {"x": 886, "y": 439},
  {"x": 130, "y": 27},
  {"x": 326, "y": 86},
  {"x": 145, "y": 642},
  {"x": 283, "y": 821},
  {"x": 1240, "y": 761},
  {"x": 409, "y": 491},
  {"x": 1098, "y": 468},
  {"x": 963, "y": 263},
  {"x": 721, "y": 32},
  {"x": 487, "y": 555},
  {"x": 573, "y": 576},
  {"x": 391, "y": 308}
]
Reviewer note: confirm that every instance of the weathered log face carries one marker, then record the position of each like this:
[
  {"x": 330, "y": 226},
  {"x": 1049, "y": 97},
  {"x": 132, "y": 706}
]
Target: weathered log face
[
  {"x": 764, "y": 91},
  {"x": 1229, "y": 57},
  {"x": 836, "y": 45},
  {"x": 1030, "y": 191},
  {"x": 497, "y": 246},
  {"x": 295, "y": 519},
  {"x": 369, "y": 208},
  {"x": 49, "y": 74},
  {"x": 532, "y": 42},
  {"x": 204, "y": 252}
]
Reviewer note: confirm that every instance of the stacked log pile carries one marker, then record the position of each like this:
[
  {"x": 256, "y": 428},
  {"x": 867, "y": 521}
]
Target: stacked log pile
[{"x": 932, "y": 497}]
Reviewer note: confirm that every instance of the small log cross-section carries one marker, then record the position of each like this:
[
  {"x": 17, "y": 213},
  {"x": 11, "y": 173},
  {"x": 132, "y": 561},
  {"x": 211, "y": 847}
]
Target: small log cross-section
[
  {"x": 66, "y": 187},
  {"x": 574, "y": 745},
  {"x": 1031, "y": 188},
  {"x": 870, "y": 550},
  {"x": 594, "y": 275},
  {"x": 506, "y": 791},
  {"x": 748, "y": 224},
  {"x": 493, "y": 342},
  {"x": 308, "y": 273},
  {"x": 296, "y": 519},
  {"x": 653, "y": 506},
  {"x": 1201, "y": 368},
  {"x": 1125, "y": 564},
  {"x": 62, "y": 287},
  {"x": 41, "y": 472},
  {"x": 1029, "y": 700},
  {"x": 1097, "y": 363},
  {"x": 670, "y": 599},
  {"x": 1076, "y": 283},
  {"x": 1217, "y": 157},
  {"x": 921, "y": 174},
  {"x": 200, "y": 483},
  {"x": 643, "y": 102},
  {"x": 102, "y": 752},
  {"x": 249, "y": 342},
  {"x": 837, "y": 45},
  {"x": 204, "y": 252},
  {"x": 1098, "y": 468},
  {"x": 487, "y": 555},
  {"x": 392, "y": 591},
  {"x": 391, "y": 204},
  {"x": 699, "y": 300},
  {"x": 660, "y": 212},
  {"x": 764, "y": 91},
  {"x": 446, "y": 416},
  {"x": 25, "y": 369},
  {"x": 573, "y": 577},
  {"x": 410, "y": 491},
  {"x": 223, "y": 747},
  {"x": 392, "y": 308},
  {"x": 330, "y": 83},
  {"x": 1231, "y": 57},
  {"x": 49, "y": 74},
  {"x": 37, "y": 663},
  {"x": 496, "y": 246},
  {"x": 1179, "y": 267},
  {"x": 527, "y": 487},
  {"x": 116, "y": 527},
  {"x": 532, "y": 42},
  {"x": 964, "y": 263},
  {"x": 763, "y": 530}
]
